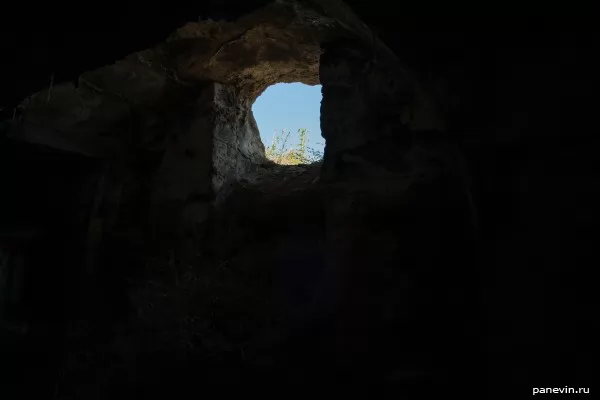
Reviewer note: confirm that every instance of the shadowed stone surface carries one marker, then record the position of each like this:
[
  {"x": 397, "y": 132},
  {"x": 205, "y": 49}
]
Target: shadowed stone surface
[{"x": 447, "y": 234}]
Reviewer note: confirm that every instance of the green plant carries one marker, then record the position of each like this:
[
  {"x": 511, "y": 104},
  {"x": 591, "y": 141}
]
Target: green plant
[{"x": 280, "y": 153}]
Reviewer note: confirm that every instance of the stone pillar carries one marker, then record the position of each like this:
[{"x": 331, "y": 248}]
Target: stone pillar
[
  {"x": 215, "y": 139},
  {"x": 182, "y": 190},
  {"x": 237, "y": 147},
  {"x": 396, "y": 218}
]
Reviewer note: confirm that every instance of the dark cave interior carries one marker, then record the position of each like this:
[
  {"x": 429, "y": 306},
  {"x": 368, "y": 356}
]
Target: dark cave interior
[{"x": 445, "y": 242}]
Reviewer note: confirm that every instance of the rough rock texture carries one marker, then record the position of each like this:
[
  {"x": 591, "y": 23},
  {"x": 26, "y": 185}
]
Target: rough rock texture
[
  {"x": 237, "y": 147},
  {"x": 172, "y": 116},
  {"x": 233, "y": 314},
  {"x": 453, "y": 213},
  {"x": 182, "y": 186},
  {"x": 278, "y": 43},
  {"x": 396, "y": 201}
]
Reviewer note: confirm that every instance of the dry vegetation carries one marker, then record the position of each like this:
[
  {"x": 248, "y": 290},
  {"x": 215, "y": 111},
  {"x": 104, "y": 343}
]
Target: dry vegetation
[{"x": 281, "y": 152}]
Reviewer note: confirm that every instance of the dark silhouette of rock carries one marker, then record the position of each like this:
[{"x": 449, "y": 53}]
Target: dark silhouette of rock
[{"x": 445, "y": 244}]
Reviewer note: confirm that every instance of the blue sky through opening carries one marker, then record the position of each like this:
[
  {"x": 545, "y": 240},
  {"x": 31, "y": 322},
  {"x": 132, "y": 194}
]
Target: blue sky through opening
[{"x": 290, "y": 106}]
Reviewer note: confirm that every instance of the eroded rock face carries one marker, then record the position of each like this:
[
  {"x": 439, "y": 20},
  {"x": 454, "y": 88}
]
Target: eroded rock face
[
  {"x": 394, "y": 288},
  {"x": 396, "y": 206},
  {"x": 176, "y": 119},
  {"x": 182, "y": 108},
  {"x": 278, "y": 43},
  {"x": 237, "y": 145}
]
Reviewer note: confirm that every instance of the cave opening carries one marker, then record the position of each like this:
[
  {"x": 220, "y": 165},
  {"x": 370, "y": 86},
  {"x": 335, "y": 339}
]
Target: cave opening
[
  {"x": 200, "y": 253},
  {"x": 288, "y": 119},
  {"x": 449, "y": 222},
  {"x": 205, "y": 256},
  {"x": 187, "y": 254}
]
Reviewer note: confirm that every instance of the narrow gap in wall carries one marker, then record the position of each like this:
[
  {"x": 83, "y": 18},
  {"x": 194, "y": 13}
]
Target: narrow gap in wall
[{"x": 288, "y": 118}]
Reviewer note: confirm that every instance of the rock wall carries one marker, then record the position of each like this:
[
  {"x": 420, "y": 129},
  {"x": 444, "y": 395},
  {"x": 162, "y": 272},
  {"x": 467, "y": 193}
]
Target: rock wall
[
  {"x": 237, "y": 144},
  {"x": 173, "y": 117},
  {"x": 174, "y": 144},
  {"x": 401, "y": 207},
  {"x": 215, "y": 140},
  {"x": 182, "y": 189},
  {"x": 398, "y": 221}
]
